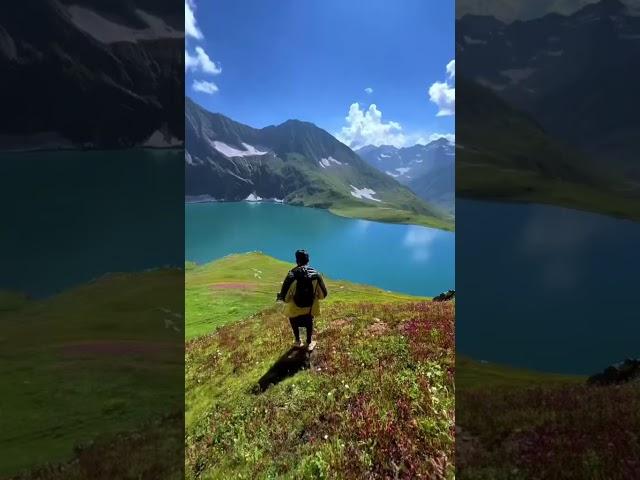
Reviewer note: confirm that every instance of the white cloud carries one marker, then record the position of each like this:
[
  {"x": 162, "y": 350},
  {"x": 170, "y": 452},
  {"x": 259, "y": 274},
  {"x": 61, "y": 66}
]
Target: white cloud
[
  {"x": 366, "y": 127},
  {"x": 443, "y": 94},
  {"x": 451, "y": 69},
  {"x": 190, "y": 24},
  {"x": 368, "y": 90},
  {"x": 201, "y": 61},
  {"x": 204, "y": 87}
]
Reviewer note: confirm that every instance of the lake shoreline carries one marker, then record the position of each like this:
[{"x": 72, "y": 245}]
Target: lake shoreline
[
  {"x": 389, "y": 256},
  {"x": 199, "y": 199}
]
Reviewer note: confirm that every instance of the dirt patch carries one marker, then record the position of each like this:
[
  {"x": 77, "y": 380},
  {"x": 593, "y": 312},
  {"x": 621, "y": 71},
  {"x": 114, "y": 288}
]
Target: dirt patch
[
  {"x": 377, "y": 328},
  {"x": 117, "y": 349},
  {"x": 338, "y": 323}
]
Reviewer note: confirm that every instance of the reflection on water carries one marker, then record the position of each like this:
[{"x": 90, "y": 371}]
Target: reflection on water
[
  {"x": 545, "y": 287},
  {"x": 419, "y": 241}
]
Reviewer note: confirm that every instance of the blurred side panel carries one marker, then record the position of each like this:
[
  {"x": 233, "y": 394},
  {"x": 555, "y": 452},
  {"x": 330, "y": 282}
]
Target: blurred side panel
[
  {"x": 92, "y": 239},
  {"x": 548, "y": 203}
]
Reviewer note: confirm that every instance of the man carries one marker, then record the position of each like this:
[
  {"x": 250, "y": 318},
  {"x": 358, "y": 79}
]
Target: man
[{"x": 301, "y": 291}]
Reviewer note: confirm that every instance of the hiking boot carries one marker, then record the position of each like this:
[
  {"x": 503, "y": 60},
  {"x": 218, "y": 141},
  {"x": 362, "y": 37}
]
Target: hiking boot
[
  {"x": 311, "y": 346},
  {"x": 298, "y": 344}
]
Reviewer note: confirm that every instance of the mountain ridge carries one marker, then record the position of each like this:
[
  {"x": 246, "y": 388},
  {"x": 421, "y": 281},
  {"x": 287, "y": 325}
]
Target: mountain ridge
[
  {"x": 296, "y": 162},
  {"x": 428, "y": 170}
]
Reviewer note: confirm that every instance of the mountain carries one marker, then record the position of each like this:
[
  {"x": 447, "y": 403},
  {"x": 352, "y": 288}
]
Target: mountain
[
  {"x": 509, "y": 11},
  {"x": 428, "y": 170},
  {"x": 503, "y": 153},
  {"x": 576, "y": 75},
  {"x": 295, "y": 162},
  {"x": 91, "y": 74},
  {"x": 375, "y": 399}
]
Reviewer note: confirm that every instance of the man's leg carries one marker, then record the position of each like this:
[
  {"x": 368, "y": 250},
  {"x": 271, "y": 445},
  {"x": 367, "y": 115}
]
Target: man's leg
[
  {"x": 308, "y": 323},
  {"x": 296, "y": 328}
]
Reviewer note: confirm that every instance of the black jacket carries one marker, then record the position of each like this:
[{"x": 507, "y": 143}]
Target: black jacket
[{"x": 294, "y": 273}]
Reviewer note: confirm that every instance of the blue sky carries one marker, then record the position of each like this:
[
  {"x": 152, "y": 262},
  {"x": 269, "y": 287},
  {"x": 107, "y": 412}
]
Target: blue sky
[{"x": 262, "y": 62}]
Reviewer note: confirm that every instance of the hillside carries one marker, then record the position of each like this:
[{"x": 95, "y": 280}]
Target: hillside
[
  {"x": 375, "y": 402},
  {"x": 93, "y": 364},
  {"x": 561, "y": 69},
  {"x": 507, "y": 155},
  {"x": 428, "y": 170},
  {"x": 513, "y": 423},
  {"x": 295, "y": 162},
  {"x": 114, "y": 74}
]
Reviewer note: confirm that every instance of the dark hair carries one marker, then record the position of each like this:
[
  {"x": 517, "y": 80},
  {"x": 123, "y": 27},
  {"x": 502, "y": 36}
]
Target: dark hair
[{"x": 302, "y": 257}]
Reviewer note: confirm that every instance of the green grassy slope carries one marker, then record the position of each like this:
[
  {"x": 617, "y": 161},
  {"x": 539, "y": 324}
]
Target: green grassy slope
[
  {"x": 513, "y": 423},
  {"x": 376, "y": 402},
  {"x": 236, "y": 286},
  {"x": 508, "y": 156},
  {"x": 91, "y": 362}
]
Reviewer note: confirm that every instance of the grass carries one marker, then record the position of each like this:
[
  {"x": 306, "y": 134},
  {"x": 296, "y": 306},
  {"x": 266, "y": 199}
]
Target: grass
[
  {"x": 521, "y": 424},
  {"x": 236, "y": 286},
  {"x": 377, "y": 400},
  {"x": 507, "y": 156},
  {"x": 394, "y": 215},
  {"x": 95, "y": 361},
  {"x": 484, "y": 181},
  {"x": 398, "y": 203}
]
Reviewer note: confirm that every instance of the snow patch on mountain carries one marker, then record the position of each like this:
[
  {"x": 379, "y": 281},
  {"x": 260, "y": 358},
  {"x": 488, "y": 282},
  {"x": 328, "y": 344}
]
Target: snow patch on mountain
[
  {"x": 231, "y": 152},
  {"x": 363, "y": 193},
  {"x": 326, "y": 162},
  {"x": 106, "y": 31}
]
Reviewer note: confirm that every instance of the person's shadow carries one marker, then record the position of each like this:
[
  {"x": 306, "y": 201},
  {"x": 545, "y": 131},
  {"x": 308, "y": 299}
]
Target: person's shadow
[{"x": 290, "y": 363}]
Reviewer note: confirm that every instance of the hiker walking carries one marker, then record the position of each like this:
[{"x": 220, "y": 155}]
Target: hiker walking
[{"x": 301, "y": 291}]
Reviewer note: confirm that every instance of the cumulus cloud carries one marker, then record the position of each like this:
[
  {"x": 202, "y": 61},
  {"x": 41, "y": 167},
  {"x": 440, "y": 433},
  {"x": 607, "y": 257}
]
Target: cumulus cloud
[
  {"x": 201, "y": 61},
  {"x": 190, "y": 24},
  {"x": 204, "y": 87},
  {"x": 451, "y": 69},
  {"x": 368, "y": 90},
  {"x": 443, "y": 94},
  {"x": 366, "y": 127}
]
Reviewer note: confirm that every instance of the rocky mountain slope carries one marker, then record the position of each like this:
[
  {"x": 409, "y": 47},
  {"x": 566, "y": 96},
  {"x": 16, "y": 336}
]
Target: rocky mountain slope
[
  {"x": 295, "y": 162},
  {"x": 565, "y": 71},
  {"x": 86, "y": 74},
  {"x": 428, "y": 170}
]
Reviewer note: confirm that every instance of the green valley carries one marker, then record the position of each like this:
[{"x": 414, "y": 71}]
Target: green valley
[{"x": 507, "y": 156}]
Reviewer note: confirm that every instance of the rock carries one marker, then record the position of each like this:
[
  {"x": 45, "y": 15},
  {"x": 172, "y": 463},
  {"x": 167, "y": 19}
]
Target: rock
[
  {"x": 618, "y": 373},
  {"x": 443, "y": 297}
]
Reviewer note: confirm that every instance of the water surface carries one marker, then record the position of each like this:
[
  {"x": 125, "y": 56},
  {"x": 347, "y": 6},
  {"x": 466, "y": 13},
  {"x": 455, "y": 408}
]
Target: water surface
[
  {"x": 546, "y": 287},
  {"x": 404, "y": 258}
]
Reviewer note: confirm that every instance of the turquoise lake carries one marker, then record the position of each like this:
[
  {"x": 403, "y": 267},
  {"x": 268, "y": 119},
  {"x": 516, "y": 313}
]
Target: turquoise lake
[
  {"x": 546, "y": 288},
  {"x": 403, "y": 258}
]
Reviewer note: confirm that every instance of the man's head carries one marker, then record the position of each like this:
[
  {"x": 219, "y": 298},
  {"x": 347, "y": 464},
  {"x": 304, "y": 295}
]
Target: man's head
[{"x": 302, "y": 257}]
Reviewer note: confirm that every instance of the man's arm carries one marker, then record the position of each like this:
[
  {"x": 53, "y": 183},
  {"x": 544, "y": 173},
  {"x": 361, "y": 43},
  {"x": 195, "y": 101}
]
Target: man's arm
[{"x": 288, "y": 280}]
